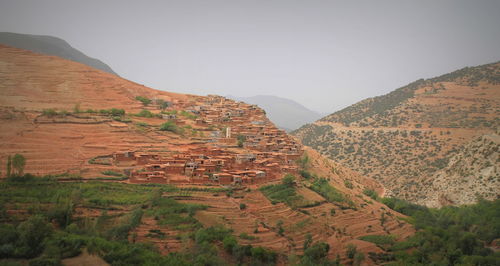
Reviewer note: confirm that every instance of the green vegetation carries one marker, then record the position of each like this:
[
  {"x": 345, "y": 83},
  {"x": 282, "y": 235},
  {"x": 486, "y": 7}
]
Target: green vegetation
[
  {"x": 9, "y": 166},
  {"x": 331, "y": 194},
  {"x": 145, "y": 101},
  {"x": 188, "y": 115},
  {"x": 351, "y": 251},
  {"x": 142, "y": 124},
  {"x": 112, "y": 173},
  {"x": 172, "y": 127},
  {"x": 17, "y": 162},
  {"x": 49, "y": 112},
  {"x": 348, "y": 184},
  {"x": 446, "y": 236},
  {"x": 109, "y": 236},
  {"x": 112, "y": 112},
  {"x": 241, "y": 139},
  {"x": 285, "y": 192},
  {"x": 162, "y": 104},
  {"x": 316, "y": 254},
  {"x": 145, "y": 113},
  {"x": 304, "y": 161},
  {"x": 167, "y": 211},
  {"x": 371, "y": 193},
  {"x": 306, "y": 174}
]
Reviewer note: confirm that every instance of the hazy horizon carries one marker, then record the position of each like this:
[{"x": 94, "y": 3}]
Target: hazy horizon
[{"x": 323, "y": 55}]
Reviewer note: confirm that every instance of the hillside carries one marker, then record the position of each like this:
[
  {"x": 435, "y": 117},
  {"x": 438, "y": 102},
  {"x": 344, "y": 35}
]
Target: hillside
[
  {"x": 160, "y": 168},
  {"x": 472, "y": 171},
  {"x": 49, "y": 45},
  {"x": 285, "y": 113},
  {"x": 406, "y": 136}
]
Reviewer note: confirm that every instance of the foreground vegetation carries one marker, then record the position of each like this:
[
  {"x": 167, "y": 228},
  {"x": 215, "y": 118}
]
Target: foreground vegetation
[
  {"x": 447, "y": 236},
  {"x": 38, "y": 223}
]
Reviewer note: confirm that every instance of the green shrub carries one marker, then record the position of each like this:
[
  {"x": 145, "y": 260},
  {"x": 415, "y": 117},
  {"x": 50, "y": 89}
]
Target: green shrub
[
  {"x": 111, "y": 173},
  {"x": 371, "y": 193},
  {"x": 49, "y": 112},
  {"x": 305, "y": 174},
  {"x": 322, "y": 187},
  {"x": 317, "y": 252},
  {"x": 145, "y": 113},
  {"x": 351, "y": 251},
  {"x": 284, "y": 193},
  {"x": 172, "y": 127},
  {"x": 145, "y": 101}
]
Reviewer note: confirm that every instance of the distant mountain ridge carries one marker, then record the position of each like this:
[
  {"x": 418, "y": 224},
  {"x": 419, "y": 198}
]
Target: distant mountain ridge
[
  {"x": 285, "y": 113},
  {"x": 50, "y": 45}
]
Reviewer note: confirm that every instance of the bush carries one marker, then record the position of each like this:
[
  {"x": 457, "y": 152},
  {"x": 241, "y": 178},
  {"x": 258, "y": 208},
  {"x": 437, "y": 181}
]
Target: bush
[
  {"x": 317, "y": 252},
  {"x": 322, "y": 187},
  {"x": 111, "y": 173},
  {"x": 348, "y": 184},
  {"x": 172, "y": 127},
  {"x": 305, "y": 174},
  {"x": 288, "y": 180},
  {"x": 32, "y": 233},
  {"x": 229, "y": 242},
  {"x": 145, "y": 101},
  {"x": 284, "y": 193},
  {"x": 371, "y": 193},
  {"x": 263, "y": 255},
  {"x": 351, "y": 251},
  {"x": 243, "y": 206},
  {"x": 49, "y": 112},
  {"x": 145, "y": 113}
]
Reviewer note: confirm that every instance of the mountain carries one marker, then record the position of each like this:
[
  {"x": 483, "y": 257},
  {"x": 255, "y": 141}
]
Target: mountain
[
  {"x": 406, "y": 136},
  {"x": 49, "y": 45},
  {"x": 139, "y": 165},
  {"x": 285, "y": 113},
  {"x": 471, "y": 171}
]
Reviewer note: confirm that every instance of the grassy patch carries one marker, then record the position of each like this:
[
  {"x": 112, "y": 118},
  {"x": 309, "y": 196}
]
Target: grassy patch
[
  {"x": 322, "y": 187},
  {"x": 284, "y": 193}
]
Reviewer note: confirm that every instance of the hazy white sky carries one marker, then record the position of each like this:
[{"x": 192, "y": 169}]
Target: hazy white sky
[{"x": 323, "y": 54}]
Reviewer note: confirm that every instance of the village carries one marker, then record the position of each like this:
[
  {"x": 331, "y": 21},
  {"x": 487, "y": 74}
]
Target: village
[{"x": 241, "y": 146}]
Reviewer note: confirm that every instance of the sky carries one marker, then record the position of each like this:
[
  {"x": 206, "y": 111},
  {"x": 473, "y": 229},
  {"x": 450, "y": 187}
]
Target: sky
[{"x": 325, "y": 55}]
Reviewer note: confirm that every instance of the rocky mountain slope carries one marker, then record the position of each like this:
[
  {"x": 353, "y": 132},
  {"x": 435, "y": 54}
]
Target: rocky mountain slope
[
  {"x": 73, "y": 121},
  {"x": 472, "y": 172},
  {"x": 285, "y": 113},
  {"x": 406, "y": 136},
  {"x": 49, "y": 45}
]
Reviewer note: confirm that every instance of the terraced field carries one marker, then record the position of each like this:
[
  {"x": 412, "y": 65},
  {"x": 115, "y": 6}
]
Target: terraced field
[{"x": 260, "y": 221}]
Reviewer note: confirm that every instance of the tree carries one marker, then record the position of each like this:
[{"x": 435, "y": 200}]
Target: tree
[
  {"x": 18, "y": 162},
  {"x": 288, "y": 180},
  {"x": 351, "y": 251},
  {"x": 308, "y": 241},
  {"x": 162, "y": 104},
  {"x": 358, "y": 258},
  {"x": 9, "y": 166}
]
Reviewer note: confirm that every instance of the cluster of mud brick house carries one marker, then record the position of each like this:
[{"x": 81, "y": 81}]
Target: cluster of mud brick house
[{"x": 267, "y": 152}]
